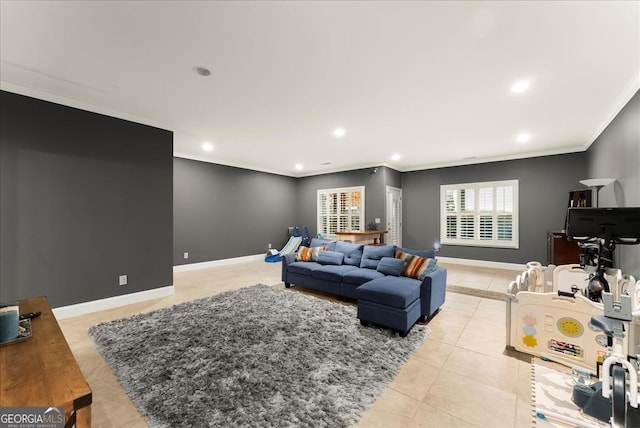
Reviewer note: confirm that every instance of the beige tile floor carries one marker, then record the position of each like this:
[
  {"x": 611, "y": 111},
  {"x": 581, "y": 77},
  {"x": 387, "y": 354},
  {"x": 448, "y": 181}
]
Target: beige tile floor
[{"x": 460, "y": 377}]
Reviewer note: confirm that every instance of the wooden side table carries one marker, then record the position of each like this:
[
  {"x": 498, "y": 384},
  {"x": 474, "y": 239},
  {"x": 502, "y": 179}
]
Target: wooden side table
[{"x": 41, "y": 370}]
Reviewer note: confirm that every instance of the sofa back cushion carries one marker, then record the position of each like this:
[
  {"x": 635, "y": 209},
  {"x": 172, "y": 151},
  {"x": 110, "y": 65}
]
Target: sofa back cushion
[
  {"x": 390, "y": 266},
  {"x": 372, "y": 254},
  {"x": 415, "y": 266},
  {"x": 326, "y": 257},
  {"x": 427, "y": 254},
  {"x": 316, "y": 242},
  {"x": 352, "y": 252}
]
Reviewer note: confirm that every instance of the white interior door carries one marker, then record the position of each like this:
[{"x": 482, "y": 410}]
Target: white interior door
[{"x": 394, "y": 216}]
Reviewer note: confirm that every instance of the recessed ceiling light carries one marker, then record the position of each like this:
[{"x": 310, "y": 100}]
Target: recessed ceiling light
[
  {"x": 395, "y": 157},
  {"x": 524, "y": 137},
  {"x": 202, "y": 71},
  {"x": 339, "y": 132},
  {"x": 207, "y": 147},
  {"x": 520, "y": 86},
  {"x": 299, "y": 166}
]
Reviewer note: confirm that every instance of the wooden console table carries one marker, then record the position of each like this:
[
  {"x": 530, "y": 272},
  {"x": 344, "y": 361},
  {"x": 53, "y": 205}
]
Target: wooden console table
[
  {"x": 374, "y": 237},
  {"x": 41, "y": 370}
]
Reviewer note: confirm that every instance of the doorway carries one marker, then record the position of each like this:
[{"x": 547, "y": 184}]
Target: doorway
[{"x": 394, "y": 216}]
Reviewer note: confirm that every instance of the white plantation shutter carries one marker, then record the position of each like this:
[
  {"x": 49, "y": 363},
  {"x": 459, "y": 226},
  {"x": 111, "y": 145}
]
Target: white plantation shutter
[
  {"x": 467, "y": 229},
  {"x": 452, "y": 227},
  {"x": 395, "y": 220},
  {"x": 323, "y": 211},
  {"x": 504, "y": 196},
  {"x": 340, "y": 210},
  {"x": 505, "y": 228},
  {"x": 484, "y": 214},
  {"x": 467, "y": 200},
  {"x": 485, "y": 199},
  {"x": 486, "y": 227},
  {"x": 504, "y": 208}
]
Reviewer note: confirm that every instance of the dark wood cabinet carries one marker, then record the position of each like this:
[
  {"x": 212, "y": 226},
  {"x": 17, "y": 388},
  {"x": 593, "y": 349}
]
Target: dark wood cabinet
[{"x": 560, "y": 250}]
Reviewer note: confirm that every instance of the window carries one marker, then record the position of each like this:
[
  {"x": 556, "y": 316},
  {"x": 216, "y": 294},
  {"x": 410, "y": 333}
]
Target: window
[
  {"x": 340, "y": 210},
  {"x": 482, "y": 214}
]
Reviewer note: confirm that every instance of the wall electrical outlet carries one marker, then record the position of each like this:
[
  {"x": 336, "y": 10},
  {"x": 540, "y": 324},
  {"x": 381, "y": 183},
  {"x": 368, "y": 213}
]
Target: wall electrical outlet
[
  {"x": 269, "y": 246},
  {"x": 122, "y": 280},
  {"x": 186, "y": 255}
]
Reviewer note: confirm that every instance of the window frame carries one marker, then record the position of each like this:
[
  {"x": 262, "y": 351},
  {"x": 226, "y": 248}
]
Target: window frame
[
  {"x": 348, "y": 218},
  {"x": 480, "y": 226}
]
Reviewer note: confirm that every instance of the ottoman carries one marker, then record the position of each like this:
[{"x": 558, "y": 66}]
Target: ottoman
[{"x": 392, "y": 302}]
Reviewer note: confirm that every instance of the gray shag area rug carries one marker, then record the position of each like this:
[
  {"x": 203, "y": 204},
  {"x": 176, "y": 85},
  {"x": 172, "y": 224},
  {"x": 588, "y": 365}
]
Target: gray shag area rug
[{"x": 258, "y": 356}]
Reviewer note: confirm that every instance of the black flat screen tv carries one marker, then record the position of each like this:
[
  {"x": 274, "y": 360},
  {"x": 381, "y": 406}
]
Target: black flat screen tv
[{"x": 618, "y": 225}]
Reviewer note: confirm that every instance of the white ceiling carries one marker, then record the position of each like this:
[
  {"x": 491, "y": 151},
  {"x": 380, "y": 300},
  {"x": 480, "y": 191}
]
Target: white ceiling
[{"x": 429, "y": 81}]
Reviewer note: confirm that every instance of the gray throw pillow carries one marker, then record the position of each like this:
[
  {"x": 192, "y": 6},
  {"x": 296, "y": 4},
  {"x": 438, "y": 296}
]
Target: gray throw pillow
[
  {"x": 330, "y": 258},
  {"x": 390, "y": 266}
]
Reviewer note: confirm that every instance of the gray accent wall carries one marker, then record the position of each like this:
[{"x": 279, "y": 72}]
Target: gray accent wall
[
  {"x": 84, "y": 198},
  {"x": 544, "y": 186},
  {"x": 222, "y": 212},
  {"x": 616, "y": 154},
  {"x": 392, "y": 178}
]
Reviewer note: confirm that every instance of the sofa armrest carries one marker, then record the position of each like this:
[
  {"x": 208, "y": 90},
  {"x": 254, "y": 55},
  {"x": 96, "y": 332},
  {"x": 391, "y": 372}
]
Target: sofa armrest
[
  {"x": 287, "y": 259},
  {"x": 432, "y": 291}
]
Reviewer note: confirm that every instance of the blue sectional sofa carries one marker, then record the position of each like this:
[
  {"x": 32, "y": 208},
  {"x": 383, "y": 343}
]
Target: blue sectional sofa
[{"x": 372, "y": 275}]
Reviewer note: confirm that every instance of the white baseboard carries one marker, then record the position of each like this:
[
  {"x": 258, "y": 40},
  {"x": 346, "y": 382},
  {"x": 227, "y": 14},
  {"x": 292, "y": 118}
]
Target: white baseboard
[
  {"x": 481, "y": 263},
  {"x": 450, "y": 260},
  {"x": 127, "y": 299},
  {"x": 111, "y": 302},
  {"x": 223, "y": 262}
]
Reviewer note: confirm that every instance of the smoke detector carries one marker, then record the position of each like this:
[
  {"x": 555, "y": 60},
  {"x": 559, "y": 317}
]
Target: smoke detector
[{"x": 202, "y": 71}]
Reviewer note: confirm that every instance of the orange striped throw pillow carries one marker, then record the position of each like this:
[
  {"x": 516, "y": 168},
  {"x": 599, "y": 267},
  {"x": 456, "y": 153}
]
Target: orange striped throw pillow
[
  {"x": 306, "y": 254},
  {"x": 415, "y": 266}
]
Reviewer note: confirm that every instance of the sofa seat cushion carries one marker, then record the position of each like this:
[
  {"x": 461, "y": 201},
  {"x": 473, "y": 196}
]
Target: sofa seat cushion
[
  {"x": 360, "y": 276},
  {"x": 331, "y": 273},
  {"x": 303, "y": 268},
  {"x": 394, "y": 291}
]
